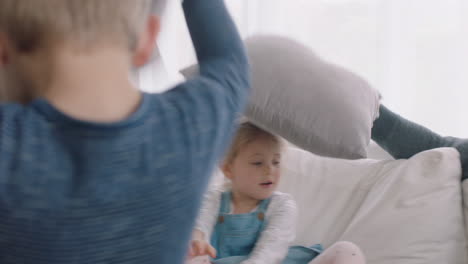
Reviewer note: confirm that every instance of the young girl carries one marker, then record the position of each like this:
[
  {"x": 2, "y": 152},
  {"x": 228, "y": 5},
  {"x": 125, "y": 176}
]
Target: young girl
[{"x": 251, "y": 223}]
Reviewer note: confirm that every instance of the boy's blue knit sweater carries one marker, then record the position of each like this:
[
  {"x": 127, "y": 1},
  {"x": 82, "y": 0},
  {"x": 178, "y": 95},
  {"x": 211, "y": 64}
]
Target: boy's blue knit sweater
[{"x": 78, "y": 192}]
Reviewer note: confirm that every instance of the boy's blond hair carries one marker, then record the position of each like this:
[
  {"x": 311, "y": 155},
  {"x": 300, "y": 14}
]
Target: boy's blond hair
[{"x": 32, "y": 24}]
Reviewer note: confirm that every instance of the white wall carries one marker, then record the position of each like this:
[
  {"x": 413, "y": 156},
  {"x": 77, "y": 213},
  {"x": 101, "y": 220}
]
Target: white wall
[{"x": 414, "y": 51}]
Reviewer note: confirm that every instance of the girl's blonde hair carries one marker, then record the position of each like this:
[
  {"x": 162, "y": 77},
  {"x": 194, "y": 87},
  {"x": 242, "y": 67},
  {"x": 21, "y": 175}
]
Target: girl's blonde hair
[
  {"x": 30, "y": 24},
  {"x": 247, "y": 133}
]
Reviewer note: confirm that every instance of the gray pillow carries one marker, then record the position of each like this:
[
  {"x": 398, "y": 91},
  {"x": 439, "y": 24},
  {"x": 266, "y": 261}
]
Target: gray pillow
[{"x": 316, "y": 105}]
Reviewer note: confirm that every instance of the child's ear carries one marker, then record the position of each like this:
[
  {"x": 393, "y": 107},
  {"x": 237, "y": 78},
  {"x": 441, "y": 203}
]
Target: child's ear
[
  {"x": 227, "y": 170},
  {"x": 147, "y": 42},
  {"x": 4, "y": 57}
]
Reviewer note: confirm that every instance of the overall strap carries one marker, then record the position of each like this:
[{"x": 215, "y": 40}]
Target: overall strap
[
  {"x": 262, "y": 208},
  {"x": 225, "y": 203}
]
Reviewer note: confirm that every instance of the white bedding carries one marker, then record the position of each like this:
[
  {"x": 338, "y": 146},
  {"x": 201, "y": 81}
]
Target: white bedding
[{"x": 397, "y": 211}]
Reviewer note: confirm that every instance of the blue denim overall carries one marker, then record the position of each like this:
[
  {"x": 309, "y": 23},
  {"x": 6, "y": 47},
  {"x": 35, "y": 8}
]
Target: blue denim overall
[{"x": 235, "y": 236}]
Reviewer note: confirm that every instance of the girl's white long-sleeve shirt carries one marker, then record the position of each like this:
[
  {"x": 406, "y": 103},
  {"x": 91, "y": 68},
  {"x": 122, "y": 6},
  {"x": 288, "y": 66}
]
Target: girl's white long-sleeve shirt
[{"x": 275, "y": 239}]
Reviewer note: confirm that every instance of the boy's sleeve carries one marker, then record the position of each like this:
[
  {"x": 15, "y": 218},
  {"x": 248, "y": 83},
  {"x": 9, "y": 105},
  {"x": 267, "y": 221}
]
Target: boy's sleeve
[
  {"x": 273, "y": 244},
  {"x": 209, "y": 104},
  {"x": 403, "y": 138},
  {"x": 220, "y": 52},
  {"x": 219, "y": 48}
]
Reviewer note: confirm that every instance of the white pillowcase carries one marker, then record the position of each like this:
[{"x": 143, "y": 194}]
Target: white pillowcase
[
  {"x": 158, "y": 6},
  {"x": 397, "y": 211},
  {"x": 465, "y": 208},
  {"x": 315, "y": 105}
]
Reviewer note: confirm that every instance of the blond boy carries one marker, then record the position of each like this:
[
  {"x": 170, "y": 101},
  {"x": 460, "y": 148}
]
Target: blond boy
[{"x": 91, "y": 169}]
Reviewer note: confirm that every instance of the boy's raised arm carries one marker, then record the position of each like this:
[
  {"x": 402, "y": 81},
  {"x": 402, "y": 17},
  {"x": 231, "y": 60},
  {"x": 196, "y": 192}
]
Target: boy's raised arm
[{"x": 218, "y": 45}]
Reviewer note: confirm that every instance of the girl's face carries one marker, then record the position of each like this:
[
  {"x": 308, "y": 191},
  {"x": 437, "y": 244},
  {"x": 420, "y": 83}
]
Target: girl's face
[{"x": 255, "y": 171}]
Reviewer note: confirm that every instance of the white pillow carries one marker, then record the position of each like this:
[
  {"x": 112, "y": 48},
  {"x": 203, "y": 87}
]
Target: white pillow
[
  {"x": 465, "y": 208},
  {"x": 397, "y": 211},
  {"x": 315, "y": 105},
  {"x": 158, "y": 6},
  {"x": 374, "y": 151}
]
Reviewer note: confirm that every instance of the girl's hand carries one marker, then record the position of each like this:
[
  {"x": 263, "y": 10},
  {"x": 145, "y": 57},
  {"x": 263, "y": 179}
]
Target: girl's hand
[
  {"x": 201, "y": 248},
  {"x": 199, "y": 260}
]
